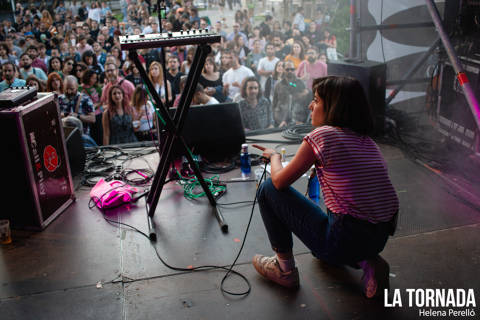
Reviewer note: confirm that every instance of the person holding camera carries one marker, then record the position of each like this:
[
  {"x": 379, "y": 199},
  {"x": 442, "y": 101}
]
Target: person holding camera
[{"x": 290, "y": 96}]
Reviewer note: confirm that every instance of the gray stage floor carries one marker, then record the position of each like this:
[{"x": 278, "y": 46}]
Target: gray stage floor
[{"x": 81, "y": 267}]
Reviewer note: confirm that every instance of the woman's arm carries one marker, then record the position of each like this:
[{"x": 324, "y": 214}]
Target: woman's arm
[
  {"x": 106, "y": 129},
  {"x": 283, "y": 177}
]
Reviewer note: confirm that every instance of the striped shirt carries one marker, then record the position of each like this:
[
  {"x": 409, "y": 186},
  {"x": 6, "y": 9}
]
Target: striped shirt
[{"x": 352, "y": 174}]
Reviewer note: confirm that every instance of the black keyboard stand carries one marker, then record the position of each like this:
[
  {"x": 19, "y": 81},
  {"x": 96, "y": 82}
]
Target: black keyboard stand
[{"x": 173, "y": 133}]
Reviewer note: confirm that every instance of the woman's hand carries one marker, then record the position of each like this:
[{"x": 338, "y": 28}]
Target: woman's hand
[{"x": 267, "y": 153}]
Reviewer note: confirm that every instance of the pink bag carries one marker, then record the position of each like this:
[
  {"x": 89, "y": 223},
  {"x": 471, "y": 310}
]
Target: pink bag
[{"x": 112, "y": 194}]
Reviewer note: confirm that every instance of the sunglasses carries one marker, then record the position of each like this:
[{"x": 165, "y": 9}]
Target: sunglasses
[{"x": 289, "y": 69}]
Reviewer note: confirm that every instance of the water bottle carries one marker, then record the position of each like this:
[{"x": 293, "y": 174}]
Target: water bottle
[
  {"x": 314, "y": 187},
  {"x": 245, "y": 164}
]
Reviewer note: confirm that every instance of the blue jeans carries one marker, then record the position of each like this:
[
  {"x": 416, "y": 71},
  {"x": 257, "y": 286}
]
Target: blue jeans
[{"x": 334, "y": 238}]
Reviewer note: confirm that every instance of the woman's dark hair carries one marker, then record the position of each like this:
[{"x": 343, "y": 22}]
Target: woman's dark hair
[
  {"x": 50, "y": 69},
  {"x": 345, "y": 103},
  {"x": 211, "y": 60},
  {"x": 4, "y": 46},
  {"x": 89, "y": 53},
  {"x": 87, "y": 75},
  {"x": 41, "y": 84},
  {"x": 244, "y": 87}
]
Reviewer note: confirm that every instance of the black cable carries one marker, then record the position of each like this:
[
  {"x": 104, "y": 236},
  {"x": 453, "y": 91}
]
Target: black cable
[
  {"x": 297, "y": 132},
  {"x": 204, "y": 267}
]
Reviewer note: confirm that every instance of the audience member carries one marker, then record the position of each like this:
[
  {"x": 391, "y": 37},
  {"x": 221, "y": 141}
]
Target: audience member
[
  {"x": 210, "y": 79},
  {"x": 255, "y": 108},
  {"x": 311, "y": 68},
  {"x": 117, "y": 119},
  {"x": 9, "y": 73},
  {"x": 144, "y": 115},
  {"x": 33, "y": 81},
  {"x": 55, "y": 83},
  {"x": 111, "y": 72},
  {"x": 289, "y": 99},
  {"x": 201, "y": 98},
  {"x": 232, "y": 79},
  {"x": 27, "y": 68},
  {"x": 266, "y": 65}
]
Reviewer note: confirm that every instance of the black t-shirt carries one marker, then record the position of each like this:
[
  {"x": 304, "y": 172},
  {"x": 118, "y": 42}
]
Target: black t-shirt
[{"x": 175, "y": 82}]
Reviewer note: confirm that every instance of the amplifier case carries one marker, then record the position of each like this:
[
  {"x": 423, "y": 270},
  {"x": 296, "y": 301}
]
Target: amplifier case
[
  {"x": 38, "y": 184},
  {"x": 455, "y": 119},
  {"x": 372, "y": 76}
]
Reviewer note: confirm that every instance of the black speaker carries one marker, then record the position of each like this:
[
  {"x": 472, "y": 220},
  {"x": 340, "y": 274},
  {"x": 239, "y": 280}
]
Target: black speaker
[
  {"x": 75, "y": 149},
  {"x": 372, "y": 76},
  {"x": 455, "y": 119},
  {"x": 37, "y": 184}
]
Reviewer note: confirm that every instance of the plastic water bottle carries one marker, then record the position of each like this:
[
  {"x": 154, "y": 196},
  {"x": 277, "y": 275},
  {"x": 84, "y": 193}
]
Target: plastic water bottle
[
  {"x": 245, "y": 164},
  {"x": 314, "y": 187}
]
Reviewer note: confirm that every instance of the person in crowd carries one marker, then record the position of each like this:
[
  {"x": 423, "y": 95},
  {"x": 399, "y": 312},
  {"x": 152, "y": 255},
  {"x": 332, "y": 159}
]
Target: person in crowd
[
  {"x": 254, "y": 56},
  {"x": 266, "y": 27},
  {"x": 232, "y": 79},
  {"x": 281, "y": 50},
  {"x": 90, "y": 60},
  {"x": 95, "y": 12},
  {"x": 328, "y": 43},
  {"x": 37, "y": 62},
  {"x": 133, "y": 75},
  {"x": 144, "y": 115},
  {"x": 5, "y": 54},
  {"x": 254, "y": 107},
  {"x": 240, "y": 48},
  {"x": 117, "y": 53},
  {"x": 117, "y": 119},
  {"x": 312, "y": 32},
  {"x": 78, "y": 106},
  {"x": 42, "y": 53},
  {"x": 55, "y": 83},
  {"x": 201, "y": 98},
  {"x": 13, "y": 49},
  {"x": 100, "y": 53},
  {"x": 256, "y": 37},
  {"x": 236, "y": 31},
  {"x": 91, "y": 89},
  {"x": 353, "y": 230},
  {"x": 296, "y": 54},
  {"x": 82, "y": 45},
  {"x": 9, "y": 74},
  {"x": 155, "y": 74},
  {"x": 266, "y": 65},
  {"x": 211, "y": 80},
  {"x": 289, "y": 99},
  {"x": 27, "y": 68},
  {"x": 111, "y": 75},
  {"x": 173, "y": 73},
  {"x": 225, "y": 61},
  {"x": 55, "y": 65},
  {"x": 33, "y": 81},
  {"x": 187, "y": 63},
  {"x": 68, "y": 65},
  {"x": 80, "y": 69},
  {"x": 272, "y": 80},
  {"x": 46, "y": 19},
  {"x": 219, "y": 29},
  {"x": 311, "y": 68},
  {"x": 299, "y": 19}
]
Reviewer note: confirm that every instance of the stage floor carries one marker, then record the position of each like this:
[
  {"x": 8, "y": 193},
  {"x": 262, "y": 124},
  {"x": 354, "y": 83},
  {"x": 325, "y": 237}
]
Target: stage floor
[{"x": 82, "y": 267}]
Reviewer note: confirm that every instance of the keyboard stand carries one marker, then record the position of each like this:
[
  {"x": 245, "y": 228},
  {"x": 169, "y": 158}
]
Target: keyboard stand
[{"x": 173, "y": 133}]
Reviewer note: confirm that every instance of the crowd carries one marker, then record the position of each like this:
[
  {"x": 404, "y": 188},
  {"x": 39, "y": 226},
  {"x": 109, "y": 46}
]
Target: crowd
[{"x": 74, "y": 51}]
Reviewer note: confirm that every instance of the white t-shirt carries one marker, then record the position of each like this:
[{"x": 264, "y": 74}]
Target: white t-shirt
[
  {"x": 236, "y": 75},
  {"x": 266, "y": 65},
  {"x": 212, "y": 101}
]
